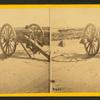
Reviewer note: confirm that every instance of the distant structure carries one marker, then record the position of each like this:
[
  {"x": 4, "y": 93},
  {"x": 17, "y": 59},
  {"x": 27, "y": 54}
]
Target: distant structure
[
  {"x": 71, "y": 33},
  {"x": 61, "y": 43}
]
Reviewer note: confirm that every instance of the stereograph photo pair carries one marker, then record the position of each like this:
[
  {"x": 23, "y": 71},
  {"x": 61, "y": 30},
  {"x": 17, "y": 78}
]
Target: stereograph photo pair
[{"x": 49, "y": 50}]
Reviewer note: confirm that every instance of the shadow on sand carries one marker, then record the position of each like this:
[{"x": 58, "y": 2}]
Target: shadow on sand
[
  {"x": 72, "y": 57},
  {"x": 64, "y": 57},
  {"x": 21, "y": 55}
]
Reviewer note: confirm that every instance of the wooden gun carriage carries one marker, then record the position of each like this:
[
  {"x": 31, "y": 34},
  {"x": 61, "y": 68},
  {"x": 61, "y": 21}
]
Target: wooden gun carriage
[{"x": 31, "y": 35}]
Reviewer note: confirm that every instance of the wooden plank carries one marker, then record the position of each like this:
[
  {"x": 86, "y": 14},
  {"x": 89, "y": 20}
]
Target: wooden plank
[
  {"x": 38, "y": 47},
  {"x": 26, "y": 50}
]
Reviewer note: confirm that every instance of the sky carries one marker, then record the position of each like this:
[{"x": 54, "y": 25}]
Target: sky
[
  {"x": 59, "y": 17},
  {"x": 74, "y": 17},
  {"x": 21, "y": 17}
]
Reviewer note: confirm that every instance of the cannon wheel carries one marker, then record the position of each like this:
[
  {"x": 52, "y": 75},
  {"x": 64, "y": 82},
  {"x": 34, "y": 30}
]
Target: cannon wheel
[
  {"x": 37, "y": 33},
  {"x": 91, "y": 40},
  {"x": 8, "y": 39}
]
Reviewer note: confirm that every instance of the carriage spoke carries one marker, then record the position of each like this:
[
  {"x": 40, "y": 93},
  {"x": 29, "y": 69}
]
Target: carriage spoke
[
  {"x": 88, "y": 45},
  {"x": 6, "y": 48},
  {"x": 3, "y": 41},
  {"x": 6, "y": 30},
  {"x": 10, "y": 48},
  {"x": 11, "y": 44},
  {"x": 3, "y": 31},
  {"x": 4, "y": 45},
  {"x": 93, "y": 48}
]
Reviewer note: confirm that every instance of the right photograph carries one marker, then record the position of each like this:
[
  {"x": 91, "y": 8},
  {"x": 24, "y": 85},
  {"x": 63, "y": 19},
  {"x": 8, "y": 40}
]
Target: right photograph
[{"x": 75, "y": 56}]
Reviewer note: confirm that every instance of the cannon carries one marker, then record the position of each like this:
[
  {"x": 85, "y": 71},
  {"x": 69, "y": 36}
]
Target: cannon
[
  {"x": 31, "y": 35},
  {"x": 91, "y": 40}
]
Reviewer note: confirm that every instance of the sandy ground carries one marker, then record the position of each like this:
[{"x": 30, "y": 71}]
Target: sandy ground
[
  {"x": 19, "y": 74},
  {"x": 72, "y": 70}
]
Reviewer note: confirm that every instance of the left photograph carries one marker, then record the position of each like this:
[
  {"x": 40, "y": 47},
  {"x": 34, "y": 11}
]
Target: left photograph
[{"x": 24, "y": 50}]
